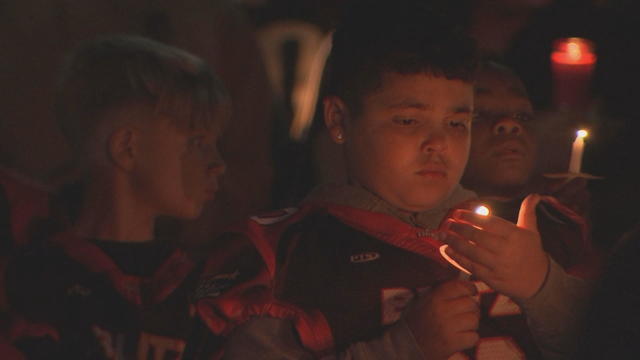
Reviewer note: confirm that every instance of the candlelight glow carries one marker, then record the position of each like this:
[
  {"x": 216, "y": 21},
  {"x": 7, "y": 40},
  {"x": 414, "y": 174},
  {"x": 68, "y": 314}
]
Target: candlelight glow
[
  {"x": 482, "y": 210},
  {"x": 574, "y": 51},
  {"x": 451, "y": 261},
  {"x": 582, "y": 133}
]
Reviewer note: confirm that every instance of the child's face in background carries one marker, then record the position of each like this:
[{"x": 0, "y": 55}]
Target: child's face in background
[
  {"x": 502, "y": 154},
  {"x": 410, "y": 142},
  {"x": 176, "y": 170}
]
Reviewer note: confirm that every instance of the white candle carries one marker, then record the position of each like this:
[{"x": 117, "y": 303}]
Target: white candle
[{"x": 576, "y": 152}]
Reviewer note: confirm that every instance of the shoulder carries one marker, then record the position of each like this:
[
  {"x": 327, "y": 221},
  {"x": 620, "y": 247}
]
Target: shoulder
[{"x": 37, "y": 277}]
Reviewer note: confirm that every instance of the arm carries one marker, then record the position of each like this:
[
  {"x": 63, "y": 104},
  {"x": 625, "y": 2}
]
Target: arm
[
  {"x": 270, "y": 338},
  {"x": 440, "y": 323},
  {"x": 555, "y": 312}
]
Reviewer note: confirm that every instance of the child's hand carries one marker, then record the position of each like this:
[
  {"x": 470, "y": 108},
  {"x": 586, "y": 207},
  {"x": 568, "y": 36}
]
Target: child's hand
[
  {"x": 507, "y": 257},
  {"x": 573, "y": 194},
  {"x": 445, "y": 320}
]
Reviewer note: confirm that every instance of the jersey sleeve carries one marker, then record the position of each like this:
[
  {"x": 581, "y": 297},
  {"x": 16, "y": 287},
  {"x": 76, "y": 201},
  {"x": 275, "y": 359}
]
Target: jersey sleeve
[
  {"x": 271, "y": 338},
  {"x": 30, "y": 321}
]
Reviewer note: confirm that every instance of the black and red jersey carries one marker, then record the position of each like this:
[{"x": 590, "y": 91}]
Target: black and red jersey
[
  {"x": 21, "y": 204},
  {"x": 84, "y": 299},
  {"x": 346, "y": 274}
]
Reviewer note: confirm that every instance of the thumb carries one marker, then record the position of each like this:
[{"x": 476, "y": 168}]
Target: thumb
[{"x": 527, "y": 218}]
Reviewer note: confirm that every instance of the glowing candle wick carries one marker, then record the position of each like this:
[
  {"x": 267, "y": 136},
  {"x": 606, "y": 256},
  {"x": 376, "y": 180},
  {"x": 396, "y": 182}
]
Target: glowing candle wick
[{"x": 482, "y": 210}]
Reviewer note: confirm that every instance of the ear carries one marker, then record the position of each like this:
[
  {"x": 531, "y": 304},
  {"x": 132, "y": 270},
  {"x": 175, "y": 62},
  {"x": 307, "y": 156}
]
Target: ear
[
  {"x": 122, "y": 148},
  {"x": 335, "y": 118}
]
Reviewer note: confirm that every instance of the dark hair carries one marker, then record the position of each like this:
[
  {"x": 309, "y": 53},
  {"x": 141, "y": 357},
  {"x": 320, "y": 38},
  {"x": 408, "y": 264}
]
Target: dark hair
[
  {"x": 403, "y": 36},
  {"x": 122, "y": 73}
]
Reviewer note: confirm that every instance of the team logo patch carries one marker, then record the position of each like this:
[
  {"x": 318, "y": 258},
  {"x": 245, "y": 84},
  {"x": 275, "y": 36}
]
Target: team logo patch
[
  {"x": 275, "y": 216},
  {"x": 78, "y": 290},
  {"x": 214, "y": 286},
  {"x": 364, "y": 257}
]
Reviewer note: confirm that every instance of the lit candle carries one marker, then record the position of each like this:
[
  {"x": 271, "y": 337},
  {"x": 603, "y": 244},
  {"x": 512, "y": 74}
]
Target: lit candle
[
  {"x": 572, "y": 63},
  {"x": 576, "y": 152},
  {"x": 464, "y": 273}
]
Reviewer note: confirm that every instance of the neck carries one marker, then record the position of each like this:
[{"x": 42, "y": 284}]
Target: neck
[
  {"x": 111, "y": 212},
  {"x": 504, "y": 193}
]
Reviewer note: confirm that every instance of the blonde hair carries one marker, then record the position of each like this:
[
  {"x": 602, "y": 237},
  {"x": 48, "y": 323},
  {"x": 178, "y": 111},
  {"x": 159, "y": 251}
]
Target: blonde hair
[{"x": 108, "y": 76}]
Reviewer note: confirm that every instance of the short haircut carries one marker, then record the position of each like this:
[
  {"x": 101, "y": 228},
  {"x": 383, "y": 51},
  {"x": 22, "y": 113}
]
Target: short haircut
[
  {"x": 495, "y": 68},
  {"x": 401, "y": 36},
  {"x": 108, "y": 76}
]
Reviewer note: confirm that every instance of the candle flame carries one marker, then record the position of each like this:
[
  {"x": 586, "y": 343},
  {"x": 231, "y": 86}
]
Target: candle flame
[
  {"x": 574, "y": 50},
  {"x": 582, "y": 133},
  {"x": 482, "y": 210}
]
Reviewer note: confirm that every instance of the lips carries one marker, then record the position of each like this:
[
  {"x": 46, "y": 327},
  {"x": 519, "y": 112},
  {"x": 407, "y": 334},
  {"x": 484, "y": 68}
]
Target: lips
[
  {"x": 434, "y": 171},
  {"x": 511, "y": 150}
]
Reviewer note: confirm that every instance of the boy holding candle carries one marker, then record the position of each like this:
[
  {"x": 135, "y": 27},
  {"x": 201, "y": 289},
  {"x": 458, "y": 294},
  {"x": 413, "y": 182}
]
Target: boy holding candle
[
  {"x": 143, "y": 120},
  {"x": 358, "y": 270}
]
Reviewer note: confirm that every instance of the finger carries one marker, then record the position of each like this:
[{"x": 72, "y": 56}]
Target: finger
[
  {"x": 466, "y": 340},
  {"x": 492, "y": 224},
  {"x": 465, "y": 304},
  {"x": 478, "y": 270},
  {"x": 527, "y": 218},
  {"x": 571, "y": 187},
  {"x": 480, "y": 237},
  {"x": 468, "y": 321},
  {"x": 472, "y": 253},
  {"x": 455, "y": 289}
]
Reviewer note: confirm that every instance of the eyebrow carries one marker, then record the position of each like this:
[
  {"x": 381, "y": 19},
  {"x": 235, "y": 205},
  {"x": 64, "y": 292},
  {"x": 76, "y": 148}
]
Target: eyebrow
[
  {"x": 410, "y": 104},
  {"x": 462, "y": 109}
]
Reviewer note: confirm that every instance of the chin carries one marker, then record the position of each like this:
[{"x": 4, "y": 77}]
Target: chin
[
  {"x": 190, "y": 212},
  {"x": 511, "y": 179},
  {"x": 426, "y": 201}
]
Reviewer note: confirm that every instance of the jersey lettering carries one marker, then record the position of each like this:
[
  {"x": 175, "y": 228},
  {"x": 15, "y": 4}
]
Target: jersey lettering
[
  {"x": 111, "y": 351},
  {"x": 364, "y": 257},
  {"x": 150, "y": 346},
  {"x": 502, "y": 305},
  {"x": 160, "y": 346}
]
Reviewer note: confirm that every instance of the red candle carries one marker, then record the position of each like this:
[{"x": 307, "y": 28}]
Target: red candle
[{"x": 572, "y": 63}]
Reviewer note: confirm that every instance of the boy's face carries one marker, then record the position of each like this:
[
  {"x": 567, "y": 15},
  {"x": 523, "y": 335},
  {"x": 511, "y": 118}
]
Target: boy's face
[
  {"x": 502, "y": 153},
  {"x": 410, "y": 142},
  {"x": 176, "y": 171}
]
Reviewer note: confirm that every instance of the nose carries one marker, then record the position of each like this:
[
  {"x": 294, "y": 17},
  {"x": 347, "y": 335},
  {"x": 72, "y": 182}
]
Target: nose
[
  {"x": 434, "y": 142},
  {"x": 507, "y": 126},
  {"x": 217, "y": 165}
]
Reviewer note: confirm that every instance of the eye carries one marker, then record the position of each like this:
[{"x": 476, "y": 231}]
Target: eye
[
  {"x": 405, "y": 121},
  {"x": 523, "y": 117},
  {"x": 461, "y": 124},
  {"x": 196, "y": 141}
]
